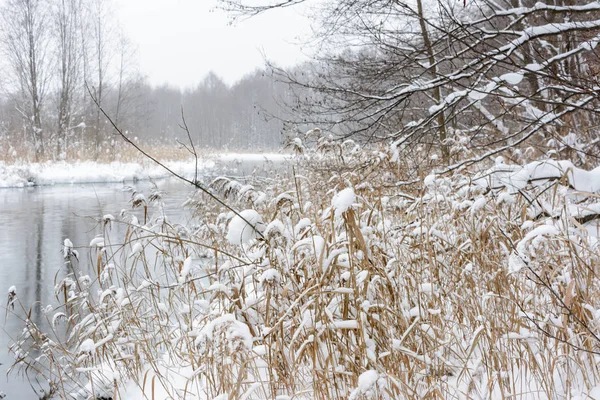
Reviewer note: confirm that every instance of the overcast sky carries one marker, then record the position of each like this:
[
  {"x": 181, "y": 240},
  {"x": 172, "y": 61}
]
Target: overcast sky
[{"x": 180, "y": 41}]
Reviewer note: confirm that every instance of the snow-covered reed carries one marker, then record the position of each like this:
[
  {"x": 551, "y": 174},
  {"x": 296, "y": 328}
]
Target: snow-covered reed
[{"x": 337, "y": 283}]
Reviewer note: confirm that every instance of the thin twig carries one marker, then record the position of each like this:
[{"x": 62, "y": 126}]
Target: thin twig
[
  {"x": 169, "y": 170},
  {"x": 186, "y": 129}
]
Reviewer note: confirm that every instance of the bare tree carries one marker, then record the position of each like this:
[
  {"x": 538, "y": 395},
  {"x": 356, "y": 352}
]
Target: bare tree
[
  {"x": 67, "y": 19},
  {"x": 99, "y": 55},
  {"x": 127, "y": 80},
  {"x": 240, "y": 8},
  {"x": 25, "y": 38},
  {"x": 478, "y": 80},
  {"x": 50, "y": 49}
]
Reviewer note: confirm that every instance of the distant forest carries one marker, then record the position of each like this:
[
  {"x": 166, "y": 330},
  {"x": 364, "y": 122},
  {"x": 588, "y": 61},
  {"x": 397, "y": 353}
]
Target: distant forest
[
  {"x": 60, "y": 58},
  {"x": 246, "y": 115}
]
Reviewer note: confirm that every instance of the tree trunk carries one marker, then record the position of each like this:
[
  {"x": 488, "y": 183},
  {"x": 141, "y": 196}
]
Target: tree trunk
[{"x": 441, "y": 119}]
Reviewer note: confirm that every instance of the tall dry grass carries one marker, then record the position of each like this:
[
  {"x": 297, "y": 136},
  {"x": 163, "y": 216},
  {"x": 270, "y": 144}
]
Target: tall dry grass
[
  {"x": 441, "y": 290},
  {"x": 15, "y": 150}
]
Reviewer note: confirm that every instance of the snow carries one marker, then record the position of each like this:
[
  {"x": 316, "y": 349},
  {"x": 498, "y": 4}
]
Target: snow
[
  {"x": 301, "y": 225},
  {"x": 271, "y": 275},
  {"x": 342, "y": 201},
  {"x": 550, "y": 7},
  {"x": 136, "y": 249},
  {"x": 317, "y": 243},
  {"x": 367, "y": 384},
  {"x": 478, "y": 204},
  {"x": 583, "y": 210},
  {"x": 429, "y": 181},
  {"x": 234, "y": 330},
  {"x": 67, "y": 247},
  {"x": 482, "y": 93},
  {"x": 515, "y": 178},
  {"x": 536, "y": 236},
  {"x": 218, "y": 287},
  {"x": 246, "y": 226},
  {"x": 348, "y": 324},
  {"x": 533, "y": 67},
  {"x": 62, "y": 172},
  {"x": 312, "y": 287},
  {"x": 505, "y": 198},
  {"x": 455, "y": 96},
  {"x": 426, "y": 288},
  {"x": 87, "y": 346},
  {"x": 97, "y": 242},
  {"x": 436, "y": 107},
  {"x": 51, "y": 173},
  {"x": 512, "y": 78},
  {"x": 594, "y": 393},
  {"x": 185, "y": 269},
  {"x": 276, "y": 227},
  {"x": 477, "y": 95}
]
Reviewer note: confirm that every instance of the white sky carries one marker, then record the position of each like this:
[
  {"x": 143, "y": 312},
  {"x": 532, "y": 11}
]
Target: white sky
[{"x": 180, "y": 41}]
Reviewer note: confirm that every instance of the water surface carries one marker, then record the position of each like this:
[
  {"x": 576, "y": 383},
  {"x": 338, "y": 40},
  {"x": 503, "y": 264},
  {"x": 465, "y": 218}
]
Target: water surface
[{"x": 33, "y": 225}]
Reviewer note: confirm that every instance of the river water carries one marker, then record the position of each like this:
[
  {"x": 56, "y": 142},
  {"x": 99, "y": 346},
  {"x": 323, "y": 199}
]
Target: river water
[{"x": 33, "y": 225}]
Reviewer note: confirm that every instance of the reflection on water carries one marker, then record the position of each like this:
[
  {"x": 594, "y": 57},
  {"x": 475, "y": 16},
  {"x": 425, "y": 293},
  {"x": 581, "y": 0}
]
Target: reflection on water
[
  {"x": 35, "y": 221},
  {"x": 33, "y": 224}
]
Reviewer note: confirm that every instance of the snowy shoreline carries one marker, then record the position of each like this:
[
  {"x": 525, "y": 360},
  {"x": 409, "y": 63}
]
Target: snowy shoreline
[{"x": 62, "y": 173}]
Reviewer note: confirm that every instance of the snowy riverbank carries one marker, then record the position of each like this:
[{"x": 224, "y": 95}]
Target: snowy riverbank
[
  {"x": 51, "y": 173},
  {"x": 480, "y": 284}
]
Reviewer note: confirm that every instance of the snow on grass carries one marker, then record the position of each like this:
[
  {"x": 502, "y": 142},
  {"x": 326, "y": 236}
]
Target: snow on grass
[
  {"x": 185, "y": 269},
  {"x": 349, "y": 324},
  {"x": 454, "y": 291},
  {"x": 515, "y": 178},
  {"x": 87, "y": 346},
  {"x": 367, "y": 385},
  {"x": 342, "y": 201},
  {"x": 245, "y": 227},
  {"x": 235, "y": 331}
]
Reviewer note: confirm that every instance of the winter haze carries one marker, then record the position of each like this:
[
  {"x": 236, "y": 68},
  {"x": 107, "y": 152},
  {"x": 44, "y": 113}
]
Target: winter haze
[
  {"x": 300, "y": 199},
  {"x": 180, "y": 42}
]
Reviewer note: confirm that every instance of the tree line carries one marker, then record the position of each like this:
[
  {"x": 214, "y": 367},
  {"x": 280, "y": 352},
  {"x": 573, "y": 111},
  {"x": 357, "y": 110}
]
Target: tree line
[
  {"x": 249, "y": 114},
  {"x": 53, "y": 52},
  {"x": 62, "y": 58},
  {"x": 453, "y": 79}
]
